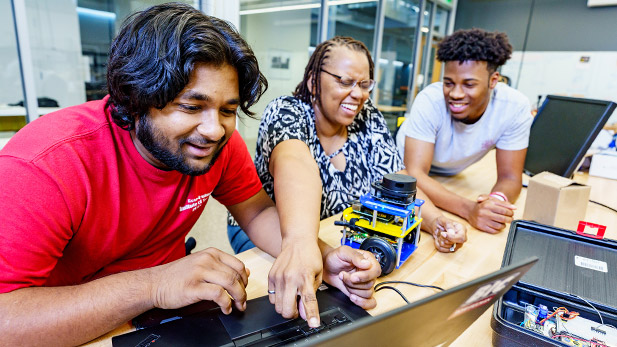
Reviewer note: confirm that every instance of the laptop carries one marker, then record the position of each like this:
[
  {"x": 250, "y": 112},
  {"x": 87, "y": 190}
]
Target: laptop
[{"x": 438, "y": 319}]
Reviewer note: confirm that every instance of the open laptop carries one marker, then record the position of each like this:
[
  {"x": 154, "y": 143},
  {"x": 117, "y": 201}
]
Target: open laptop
[{"x": 438, "y": 319}]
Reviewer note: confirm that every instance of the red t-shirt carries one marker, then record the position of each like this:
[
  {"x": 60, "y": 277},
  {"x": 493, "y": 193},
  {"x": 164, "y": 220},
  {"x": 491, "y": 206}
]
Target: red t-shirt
[{"x": 79, "y": 202}]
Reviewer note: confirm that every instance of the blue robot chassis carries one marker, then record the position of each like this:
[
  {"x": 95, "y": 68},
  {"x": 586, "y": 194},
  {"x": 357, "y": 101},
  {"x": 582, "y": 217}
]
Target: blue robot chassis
[{"x": 384, "y": 221}]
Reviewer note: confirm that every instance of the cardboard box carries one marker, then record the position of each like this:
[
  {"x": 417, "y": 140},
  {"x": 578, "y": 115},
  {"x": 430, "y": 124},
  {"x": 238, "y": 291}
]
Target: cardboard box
[
  {"x": 556, "y": 201},
  {"x": 604, "y": 164}
]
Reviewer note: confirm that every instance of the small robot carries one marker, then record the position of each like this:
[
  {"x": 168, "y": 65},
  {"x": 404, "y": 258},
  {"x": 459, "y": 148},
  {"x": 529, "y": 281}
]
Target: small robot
[{"x": 384, "y": 221}]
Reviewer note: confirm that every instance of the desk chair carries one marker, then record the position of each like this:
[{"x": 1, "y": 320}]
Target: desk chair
[
  {"x": 190, "y": 244},
  {"x": 505, "y": 79}
]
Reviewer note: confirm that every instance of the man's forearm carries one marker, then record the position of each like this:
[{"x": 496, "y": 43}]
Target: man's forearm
[
  {"x": 442, "y": 197},
  {"x": 510, "y": 187},
  {"x": 73, "y": 315}
]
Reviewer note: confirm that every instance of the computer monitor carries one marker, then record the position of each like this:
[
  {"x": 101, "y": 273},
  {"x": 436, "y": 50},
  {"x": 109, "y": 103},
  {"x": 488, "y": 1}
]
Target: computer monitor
[{"x": 562, "y": 132}]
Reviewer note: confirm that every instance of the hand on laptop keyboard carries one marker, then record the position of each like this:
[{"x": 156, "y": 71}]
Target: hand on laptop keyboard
[
  {"x": 206, "y": 275},
  {"x": 296, "y": 271}
]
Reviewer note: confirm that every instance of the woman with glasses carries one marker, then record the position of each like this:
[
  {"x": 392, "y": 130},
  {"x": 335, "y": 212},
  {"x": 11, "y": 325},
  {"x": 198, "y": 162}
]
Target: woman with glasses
[{"x": 324, "y": 146}]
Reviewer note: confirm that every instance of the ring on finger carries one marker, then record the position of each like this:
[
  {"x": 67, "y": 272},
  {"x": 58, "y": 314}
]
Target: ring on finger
[
  {"x": 453, "y": 248},
  {"x": 271, "y": 292}
]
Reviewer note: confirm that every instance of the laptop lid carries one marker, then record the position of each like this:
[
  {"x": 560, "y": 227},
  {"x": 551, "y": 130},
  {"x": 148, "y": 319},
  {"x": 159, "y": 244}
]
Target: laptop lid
[
  {"x": 430, "y": 321},
  {"x": 436, "y": 320}
]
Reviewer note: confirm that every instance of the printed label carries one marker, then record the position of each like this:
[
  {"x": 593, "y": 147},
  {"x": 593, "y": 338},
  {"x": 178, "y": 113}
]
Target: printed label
[
  {"x": 194, "y": 204},
  {"x": 591, "y": 264},
  {"x": 483, "y": 295}
]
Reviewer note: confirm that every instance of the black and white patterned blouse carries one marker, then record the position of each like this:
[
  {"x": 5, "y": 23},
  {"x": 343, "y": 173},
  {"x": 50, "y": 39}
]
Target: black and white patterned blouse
[{"x": 369, "y": 152}]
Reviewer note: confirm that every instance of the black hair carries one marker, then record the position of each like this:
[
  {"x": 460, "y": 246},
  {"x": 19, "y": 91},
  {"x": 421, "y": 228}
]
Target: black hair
[
  {"x": 476, "y": 45},
  {"x": 151, "y": 59},
  {"x": 317, "y": 61}
]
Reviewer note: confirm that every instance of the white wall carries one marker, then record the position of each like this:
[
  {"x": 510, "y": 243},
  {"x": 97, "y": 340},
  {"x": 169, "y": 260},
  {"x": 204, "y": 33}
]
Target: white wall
[
  {"x": 56, "y": 50},
  {"x": 10, "y": 78},
  {"x": 278, "y": 34},
  {"x": 224, "y": 9},
  {"x": 565, "y": 73}
]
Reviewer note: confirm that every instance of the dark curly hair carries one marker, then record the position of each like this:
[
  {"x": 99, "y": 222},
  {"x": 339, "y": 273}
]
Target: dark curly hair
[
  {"x": 318, "y": 60},
  {"x": 151, "y": 59},
  {"x": 476, "y": 45}
]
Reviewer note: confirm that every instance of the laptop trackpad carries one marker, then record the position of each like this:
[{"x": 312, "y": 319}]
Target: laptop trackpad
[{"x": 262, "y": 316}]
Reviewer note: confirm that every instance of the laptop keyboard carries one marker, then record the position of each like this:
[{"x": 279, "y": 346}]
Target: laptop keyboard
[{"x": 294, "y": 331}]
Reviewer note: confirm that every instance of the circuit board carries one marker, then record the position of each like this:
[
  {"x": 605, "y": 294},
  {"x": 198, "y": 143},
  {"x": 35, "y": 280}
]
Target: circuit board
[{"x": 568, "y": 327}]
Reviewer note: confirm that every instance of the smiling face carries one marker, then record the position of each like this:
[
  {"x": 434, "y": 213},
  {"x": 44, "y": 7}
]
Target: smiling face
[
  {"x": 189, "y": 132},
  {"x": 341, "y": 104},
  {"x": 467, "y": 88}
]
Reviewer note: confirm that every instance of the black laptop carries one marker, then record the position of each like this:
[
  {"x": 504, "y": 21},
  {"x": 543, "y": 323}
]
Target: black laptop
[{"x": 438, "y": 319}]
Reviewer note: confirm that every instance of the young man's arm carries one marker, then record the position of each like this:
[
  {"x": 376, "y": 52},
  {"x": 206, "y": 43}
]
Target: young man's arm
[
  {"x": 508, "y": 187},
  {"x": 73, "y": 315},
  {"x": 486, "y": 216},
  {"x": 418, "y": 159},
  {"x": 448, "y": 235},
  {"x": 510, "y": 172}
]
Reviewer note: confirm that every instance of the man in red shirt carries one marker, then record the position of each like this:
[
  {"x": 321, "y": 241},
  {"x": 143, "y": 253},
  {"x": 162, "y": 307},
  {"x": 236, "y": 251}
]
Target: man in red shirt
[{"x": 97, "y": 199}]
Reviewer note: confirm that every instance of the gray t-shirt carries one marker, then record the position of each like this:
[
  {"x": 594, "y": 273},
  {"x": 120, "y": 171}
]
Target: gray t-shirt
[{"x": 505, "y": 124}]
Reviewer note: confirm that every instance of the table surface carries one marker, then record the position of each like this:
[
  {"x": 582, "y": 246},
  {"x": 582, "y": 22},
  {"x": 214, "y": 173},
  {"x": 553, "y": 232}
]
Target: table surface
[{"x": 481, "y": 254}]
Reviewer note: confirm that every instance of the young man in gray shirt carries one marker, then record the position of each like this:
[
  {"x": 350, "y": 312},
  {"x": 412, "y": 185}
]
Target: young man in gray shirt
[{"x": 454, "y": 123}]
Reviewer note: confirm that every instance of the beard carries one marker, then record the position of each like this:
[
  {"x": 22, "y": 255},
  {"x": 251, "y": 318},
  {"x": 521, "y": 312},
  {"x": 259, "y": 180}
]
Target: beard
[{"x": 161, "y": 148}]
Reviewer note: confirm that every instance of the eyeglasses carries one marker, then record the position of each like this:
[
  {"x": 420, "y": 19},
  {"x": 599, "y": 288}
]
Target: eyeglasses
[{"x": 349, "y": 83}]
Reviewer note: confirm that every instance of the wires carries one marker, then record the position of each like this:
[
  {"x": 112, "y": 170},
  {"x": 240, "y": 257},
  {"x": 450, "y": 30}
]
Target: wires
[
  {"x": 384, "y": 285},
  {"x": 603, "y": 205},
  {"x": 598, "y": 312},
  {"x": 396, "y": 290},
  {"x": 557, "y": 329},
  {"x": 574, "y": 341},
  {"x": 562, "y": 310}
]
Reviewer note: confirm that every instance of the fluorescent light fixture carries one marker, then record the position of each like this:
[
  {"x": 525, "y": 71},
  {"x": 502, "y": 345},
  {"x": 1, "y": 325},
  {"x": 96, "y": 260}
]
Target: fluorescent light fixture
[
  {"x": 301, "y": 7},
  {"x": 96, "y": 13},
  {"x": 396, "y": 63},
  {"x": 279, "y": 9},
  {"x": 424, "y": 29},
  {"x": 347, "y": 2}
]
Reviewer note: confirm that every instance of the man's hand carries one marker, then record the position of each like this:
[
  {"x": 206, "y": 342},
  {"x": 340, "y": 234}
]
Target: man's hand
[
  {"x": 297, "y": 271},
  {"x": 210, "y": 274},
  {"x": 491, "y": 214},
  {"x": 448, "y": 235},
  {"x": 353, "y": 271}
]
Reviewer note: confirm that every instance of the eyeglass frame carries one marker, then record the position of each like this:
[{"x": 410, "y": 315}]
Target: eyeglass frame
[{"x": 355, "y": 82}]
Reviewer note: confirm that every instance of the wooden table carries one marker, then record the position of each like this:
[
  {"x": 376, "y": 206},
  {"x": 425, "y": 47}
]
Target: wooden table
[{"x": 481, "y": 254}]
